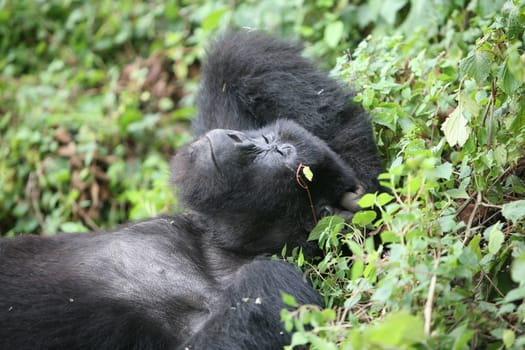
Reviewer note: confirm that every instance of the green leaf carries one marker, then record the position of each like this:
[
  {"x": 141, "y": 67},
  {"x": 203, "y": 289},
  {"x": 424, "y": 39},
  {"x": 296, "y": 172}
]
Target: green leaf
[
  {"x": 284, "y": 250},
  {"x": 355, "y": 248},
  {"x": 300, "y": 259},
  {"x": 442, "y": 171},
  {"x": 130, "y": 115},
  {"x": 509, "y": 337},
  {"x": 517, "y": 271},
  {"x": 325, "y": 224},
  {"x": 389, "y": 237},
  {"x": 213, "y": 19},
  {"x": 515, "y": 294},
  {"x": 514, "y": 22},
  {"x": 455, "y": 128},
  {"x": 457, "y": 193},
  {"x": 307, "y": 172},
  {"x": 507, "y": 80},
  {"x": 289, "y": 299},
  {"x": 363, "y": 218},
  {"x": 390, "y": 8},
  {"x": 496, "y": 238},
  {"x": 514, "y": 211},
  {"x": 367, "y": 201},
  {"x": 357, "y": 269},
  {"x": 320, "y": 343},
  {"x": 476, "y": 65},
  {"x": 474, "y": 246},
  {"x": 73, "y": 227},
  {"x": 517, "y": 121},
  {"x": 333, "y": 33},
  {"x": 468, "y": 258},
  {"x": 384, "y": 198},
  {"x": 397, "y": 329},
  {"x": 298, "y": 339},
  {"x": 384, "y": 292},
  {"x": 461, "y": 336}
]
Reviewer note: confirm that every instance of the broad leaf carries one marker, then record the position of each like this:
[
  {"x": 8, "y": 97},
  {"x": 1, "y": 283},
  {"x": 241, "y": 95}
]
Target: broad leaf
[
  {"x": 514, "y": 211},
  {"x": 333, "y": 33},
  {"x": 476, "y": 65},
  {"x": 517, "y": 271},
  {"x": 496, "y": 238},
  {"x": 455, "y": 128}
]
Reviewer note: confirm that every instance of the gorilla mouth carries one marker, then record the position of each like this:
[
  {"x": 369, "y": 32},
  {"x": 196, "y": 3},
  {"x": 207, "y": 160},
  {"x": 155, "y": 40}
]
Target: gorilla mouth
[{"x": 212, "y": 153}]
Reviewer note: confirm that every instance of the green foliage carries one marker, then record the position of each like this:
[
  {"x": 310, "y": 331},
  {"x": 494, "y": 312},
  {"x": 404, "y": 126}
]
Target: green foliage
[
  {"x": 87, "y": 125},
  {"x": 448, "y": 273}
]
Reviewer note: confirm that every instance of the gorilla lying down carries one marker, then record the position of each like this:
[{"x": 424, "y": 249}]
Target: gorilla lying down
[{"x": 202, "y": 279}]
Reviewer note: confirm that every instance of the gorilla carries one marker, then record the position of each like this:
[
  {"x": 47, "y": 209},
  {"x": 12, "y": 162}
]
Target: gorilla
[{"x": 203, "y": 279}]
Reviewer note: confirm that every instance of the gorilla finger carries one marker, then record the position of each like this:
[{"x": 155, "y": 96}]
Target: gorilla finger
[
  {"x": 345, "y": 214},
  {"x": 350, "y": 199}
]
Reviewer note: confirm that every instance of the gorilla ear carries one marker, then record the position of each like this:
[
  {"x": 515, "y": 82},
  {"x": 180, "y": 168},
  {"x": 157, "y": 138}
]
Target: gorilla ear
[{"x": 349, "y": 199}]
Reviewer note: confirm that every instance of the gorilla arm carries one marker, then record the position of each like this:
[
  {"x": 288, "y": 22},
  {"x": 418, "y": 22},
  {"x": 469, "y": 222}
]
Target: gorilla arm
[
  {"x": 250, "y": 80},
  {"x": 249, "y": 312}
]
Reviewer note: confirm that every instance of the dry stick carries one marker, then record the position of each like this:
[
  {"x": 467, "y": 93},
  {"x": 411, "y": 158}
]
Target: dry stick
[
  {"x": 471, "y": 218},
  {"x": 500, "y": 177},
  {"x": 484, "y": 222},
  {"x": 493, "y": 285},
  {"x": 33, "y": 193},
  {"x": 430, "y": 297},
  {"x": 87, "y": 220}
]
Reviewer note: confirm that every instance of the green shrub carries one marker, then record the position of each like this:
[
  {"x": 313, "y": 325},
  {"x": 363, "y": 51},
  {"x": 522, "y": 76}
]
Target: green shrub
[{"x": 449, "y": 271}]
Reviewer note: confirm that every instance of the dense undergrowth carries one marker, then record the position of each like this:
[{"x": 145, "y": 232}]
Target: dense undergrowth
[
  {"x": 450, "y": 116},
  {"x": 95, "y": 98}
]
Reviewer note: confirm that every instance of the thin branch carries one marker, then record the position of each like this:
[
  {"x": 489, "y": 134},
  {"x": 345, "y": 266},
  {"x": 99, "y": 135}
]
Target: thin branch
[
  {"x": 430, "y": 297},
  {"x": 85, "y": 217},
  {"x": 471, "y": 218}
]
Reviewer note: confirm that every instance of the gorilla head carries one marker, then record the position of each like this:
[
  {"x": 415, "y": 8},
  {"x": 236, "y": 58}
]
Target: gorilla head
[{"x": 253, "y": 180}]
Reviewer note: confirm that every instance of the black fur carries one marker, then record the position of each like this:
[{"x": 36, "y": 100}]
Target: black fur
[
  {"x": 203, "y": 279},
  {"x": 251, "y": 80}
]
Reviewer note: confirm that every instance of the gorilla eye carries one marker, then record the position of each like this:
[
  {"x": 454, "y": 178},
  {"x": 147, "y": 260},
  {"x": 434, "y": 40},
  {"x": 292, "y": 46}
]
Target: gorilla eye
[{"x": 234, "y": 137}]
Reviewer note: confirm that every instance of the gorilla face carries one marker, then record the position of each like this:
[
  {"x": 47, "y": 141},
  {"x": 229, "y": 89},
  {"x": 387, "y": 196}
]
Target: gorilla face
[{"x": 221, "y": 171}]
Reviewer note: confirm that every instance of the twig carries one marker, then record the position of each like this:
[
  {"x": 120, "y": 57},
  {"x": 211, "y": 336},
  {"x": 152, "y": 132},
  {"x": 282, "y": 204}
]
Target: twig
[
  {"x": 471, "y": 218},
  {"x": 430, "y": 297},
  {"x": 493, "y": 285},
  {"x": 32, "y": 191},
  {"x": 87, "y": 220},
  {"x": 303, "y": 185}
]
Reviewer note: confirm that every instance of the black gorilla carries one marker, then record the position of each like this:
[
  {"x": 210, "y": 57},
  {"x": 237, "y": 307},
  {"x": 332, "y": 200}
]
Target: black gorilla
[{"x": 200, "y": 280}]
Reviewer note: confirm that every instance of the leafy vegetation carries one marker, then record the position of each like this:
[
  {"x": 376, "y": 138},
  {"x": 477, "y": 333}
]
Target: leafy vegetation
[
  {"x": 97, "y": 95},
  {"x": 449, "y": 274}
]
